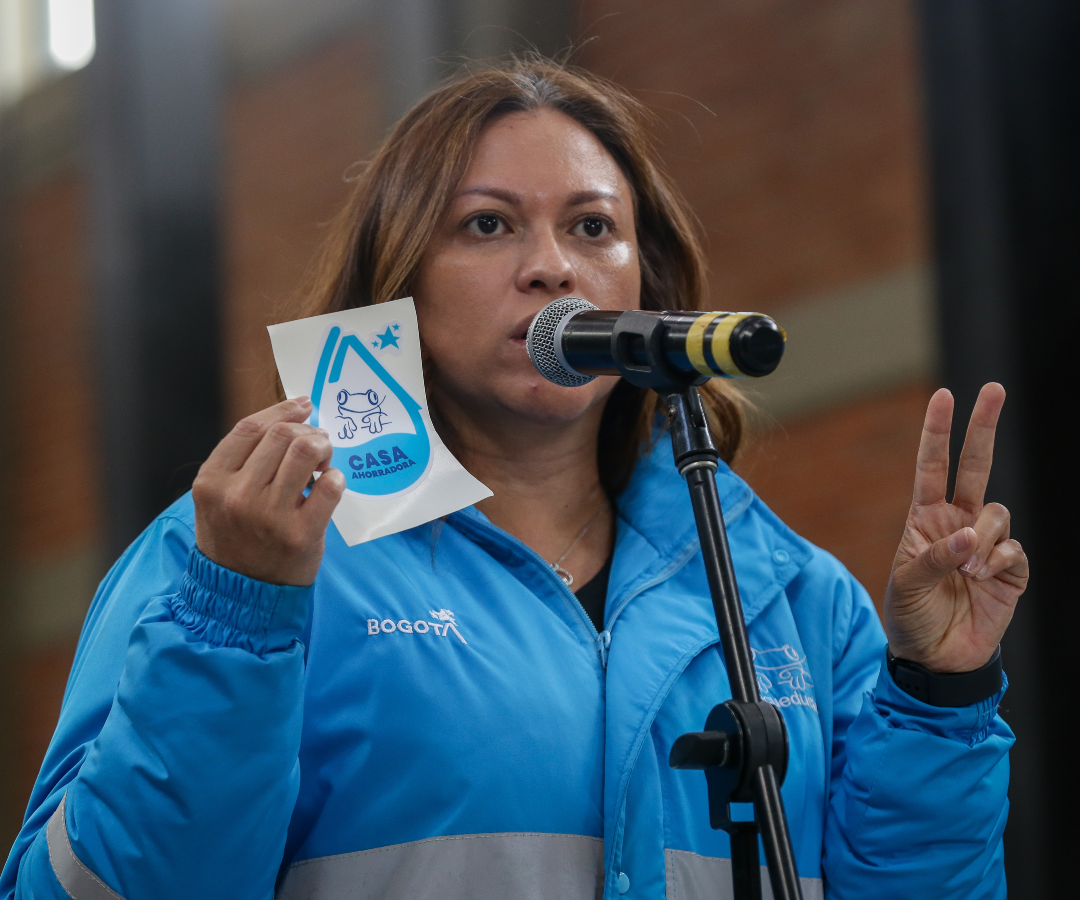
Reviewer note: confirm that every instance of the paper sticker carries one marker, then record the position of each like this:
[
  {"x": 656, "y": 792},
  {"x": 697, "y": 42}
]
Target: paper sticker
[{"x": 362, "y": 370}]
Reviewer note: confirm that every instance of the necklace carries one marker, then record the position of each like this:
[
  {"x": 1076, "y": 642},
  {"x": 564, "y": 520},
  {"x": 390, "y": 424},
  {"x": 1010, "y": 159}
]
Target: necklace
[{"x": 567, "y": 578}]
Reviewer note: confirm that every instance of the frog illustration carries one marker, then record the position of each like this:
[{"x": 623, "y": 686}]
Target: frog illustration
[{"x": 363, "y": 405}]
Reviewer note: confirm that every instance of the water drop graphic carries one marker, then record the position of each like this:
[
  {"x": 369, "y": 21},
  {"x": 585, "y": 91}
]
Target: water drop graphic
[{"x": 380, "y": 440}]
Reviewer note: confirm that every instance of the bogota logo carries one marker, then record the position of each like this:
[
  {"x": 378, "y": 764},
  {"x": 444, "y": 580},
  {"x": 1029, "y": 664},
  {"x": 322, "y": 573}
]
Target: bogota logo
[
  {"x": 380, "y": 440},
  {"x": 442, "y": 626}
]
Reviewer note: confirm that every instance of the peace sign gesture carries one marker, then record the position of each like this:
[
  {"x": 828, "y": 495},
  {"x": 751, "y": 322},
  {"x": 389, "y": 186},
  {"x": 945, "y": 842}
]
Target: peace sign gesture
[{"x": 957, "y": 575}]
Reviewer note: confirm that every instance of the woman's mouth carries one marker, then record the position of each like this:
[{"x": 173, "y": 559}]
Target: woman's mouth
[{"x": 521, "y": 331}]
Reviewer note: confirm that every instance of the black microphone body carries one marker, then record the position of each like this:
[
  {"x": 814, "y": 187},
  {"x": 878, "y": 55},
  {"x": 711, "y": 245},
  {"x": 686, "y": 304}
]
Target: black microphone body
[{"x": 571, "y": 341}]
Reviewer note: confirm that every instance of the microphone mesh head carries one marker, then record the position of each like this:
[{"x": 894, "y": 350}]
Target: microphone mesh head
[{"x": 545, "y": 331}]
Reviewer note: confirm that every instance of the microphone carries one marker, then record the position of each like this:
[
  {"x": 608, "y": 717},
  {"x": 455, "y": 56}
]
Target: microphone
[{"x": 571, "y": 341}]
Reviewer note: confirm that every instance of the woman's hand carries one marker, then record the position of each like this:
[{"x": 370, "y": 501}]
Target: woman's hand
[
  {"x": 251, "y": 514},
  {"x": 957, "y": 575}
]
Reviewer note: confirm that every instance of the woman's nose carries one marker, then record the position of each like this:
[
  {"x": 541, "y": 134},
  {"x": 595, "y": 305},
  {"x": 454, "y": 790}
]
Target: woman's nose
[{"x": 546, "y": 266}]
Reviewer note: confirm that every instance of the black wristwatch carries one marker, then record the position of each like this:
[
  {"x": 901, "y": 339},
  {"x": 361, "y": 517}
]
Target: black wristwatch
[{"x": 946, "y": 688}]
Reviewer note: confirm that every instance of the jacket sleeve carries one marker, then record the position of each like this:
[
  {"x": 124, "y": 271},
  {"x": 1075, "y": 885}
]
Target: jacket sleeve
[
  {"x": 919, "y": 793},
  {"x": 173, "y": 770}
]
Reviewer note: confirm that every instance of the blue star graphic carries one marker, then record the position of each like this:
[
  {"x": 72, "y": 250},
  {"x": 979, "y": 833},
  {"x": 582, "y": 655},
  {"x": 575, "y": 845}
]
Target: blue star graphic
[{"x": 387, "y": 339}]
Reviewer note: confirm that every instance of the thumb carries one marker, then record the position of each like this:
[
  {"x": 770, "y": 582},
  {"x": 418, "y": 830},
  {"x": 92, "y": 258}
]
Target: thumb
[
  {"x": 944, "y": 557},
  {"x": 324, "y": 497}
]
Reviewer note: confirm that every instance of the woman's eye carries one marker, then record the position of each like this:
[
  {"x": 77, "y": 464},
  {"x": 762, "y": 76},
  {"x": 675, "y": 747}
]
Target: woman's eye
[
  {"x": 485, "y": 225},
  {"x": 591, "y": 227}
]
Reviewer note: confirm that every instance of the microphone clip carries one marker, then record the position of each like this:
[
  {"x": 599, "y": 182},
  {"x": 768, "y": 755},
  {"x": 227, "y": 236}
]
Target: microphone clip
[{"x": 639, "y": 352}]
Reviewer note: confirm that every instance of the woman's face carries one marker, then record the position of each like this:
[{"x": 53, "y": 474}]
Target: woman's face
[{"x": 543, "y": 212}]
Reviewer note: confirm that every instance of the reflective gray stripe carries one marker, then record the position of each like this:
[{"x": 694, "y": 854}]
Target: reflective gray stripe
[
  {"x": 693, "y": 877},
  {"x": 77, "y": 881},
  {"x": 461, "y": 867}
]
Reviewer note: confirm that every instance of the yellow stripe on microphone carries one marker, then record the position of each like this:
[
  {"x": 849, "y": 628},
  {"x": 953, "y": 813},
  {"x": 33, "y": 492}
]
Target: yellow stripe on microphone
[
  {"x": 708, "y": 343},
  {"x": 720, "y": 344},
  {"x": 695, "y": 343}
]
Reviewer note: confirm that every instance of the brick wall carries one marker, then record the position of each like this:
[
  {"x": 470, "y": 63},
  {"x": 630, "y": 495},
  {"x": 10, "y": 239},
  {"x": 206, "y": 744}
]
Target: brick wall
[
  {"x": 54, "y": 501},
  {"x": 792, "y": 124},
  {"x": 291, "y": 138}
]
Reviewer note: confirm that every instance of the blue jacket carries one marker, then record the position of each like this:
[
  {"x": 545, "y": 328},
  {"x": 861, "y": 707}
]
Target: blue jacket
[{"x": 437, "y": 717}]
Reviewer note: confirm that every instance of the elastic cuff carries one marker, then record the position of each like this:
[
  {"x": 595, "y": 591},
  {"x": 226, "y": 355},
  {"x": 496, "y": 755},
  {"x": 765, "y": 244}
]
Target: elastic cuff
[
  {"x": 968, "y": 724},
  {"x": 230, "y": 609}
]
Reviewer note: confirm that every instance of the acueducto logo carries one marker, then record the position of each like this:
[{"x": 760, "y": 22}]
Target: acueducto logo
[
  {"x": 783, "y": 670},
  {"x": 442, "y": 626}
]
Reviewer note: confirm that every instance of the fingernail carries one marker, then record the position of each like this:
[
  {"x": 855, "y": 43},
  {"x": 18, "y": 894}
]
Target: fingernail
[
  {"x": 983, "y": 572},
  {"x": 968, "y": 568},
  {"x": 958, "y": 542},
  {"x": 304, "y": 401}
]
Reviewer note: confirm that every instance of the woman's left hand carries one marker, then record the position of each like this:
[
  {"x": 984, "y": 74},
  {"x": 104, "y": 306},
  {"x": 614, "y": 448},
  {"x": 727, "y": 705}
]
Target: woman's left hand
[{"x": 957, "y": 575}]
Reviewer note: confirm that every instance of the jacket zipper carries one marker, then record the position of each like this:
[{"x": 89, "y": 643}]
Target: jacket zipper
[
  {"x": 545, "y": 566},
  {"x": 603, "y": 640}
]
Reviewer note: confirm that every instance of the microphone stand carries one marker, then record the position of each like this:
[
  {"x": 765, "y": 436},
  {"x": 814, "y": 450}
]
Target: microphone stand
[{"x": 744, "y": 747}]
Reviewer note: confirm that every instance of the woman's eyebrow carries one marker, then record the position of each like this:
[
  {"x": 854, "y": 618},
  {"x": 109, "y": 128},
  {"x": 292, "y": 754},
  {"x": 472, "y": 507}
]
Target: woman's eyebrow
[
  {"x": 498, "y": 193},
  {"x": 578, "y": 198},
  {"x": 581, "y": 197}
]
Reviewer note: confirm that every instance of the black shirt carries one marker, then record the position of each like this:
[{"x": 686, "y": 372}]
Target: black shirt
[{"x": 593, "y": 595}]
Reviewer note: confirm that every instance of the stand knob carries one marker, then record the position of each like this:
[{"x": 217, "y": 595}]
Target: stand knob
[
  {"x": 701, "y": 749},
  {"x": 739, "y": 738}
]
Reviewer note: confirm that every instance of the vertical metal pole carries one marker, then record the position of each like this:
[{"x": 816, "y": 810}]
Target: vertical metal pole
[
  {"x": 727, "y": 606},
  {"x": 696, "y": 457},
  {"x": 153, "y": 139},
  {"x": 414, "y": 39}
]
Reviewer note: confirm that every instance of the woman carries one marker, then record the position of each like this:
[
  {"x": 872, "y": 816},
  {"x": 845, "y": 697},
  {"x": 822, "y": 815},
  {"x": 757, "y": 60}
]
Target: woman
[{"x": 233, "y": 728}]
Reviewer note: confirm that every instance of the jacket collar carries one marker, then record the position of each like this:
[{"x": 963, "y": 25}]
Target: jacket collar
[
  {"x": 656, "y": 534},
  {"x": 656, "y": 498},
  {"x": 656, "y": 530}
]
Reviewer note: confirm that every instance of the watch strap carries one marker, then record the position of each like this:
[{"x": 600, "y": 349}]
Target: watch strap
[{"x": 947, "y": 688}]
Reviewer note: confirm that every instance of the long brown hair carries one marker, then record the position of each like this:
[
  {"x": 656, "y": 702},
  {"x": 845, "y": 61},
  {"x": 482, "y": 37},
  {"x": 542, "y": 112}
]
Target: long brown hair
[{"x": 377, "y": 242}]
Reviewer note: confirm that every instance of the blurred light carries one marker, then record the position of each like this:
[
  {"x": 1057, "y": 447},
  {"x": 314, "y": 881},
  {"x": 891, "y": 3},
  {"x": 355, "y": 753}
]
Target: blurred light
[{"x": 71, "y": 32}]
